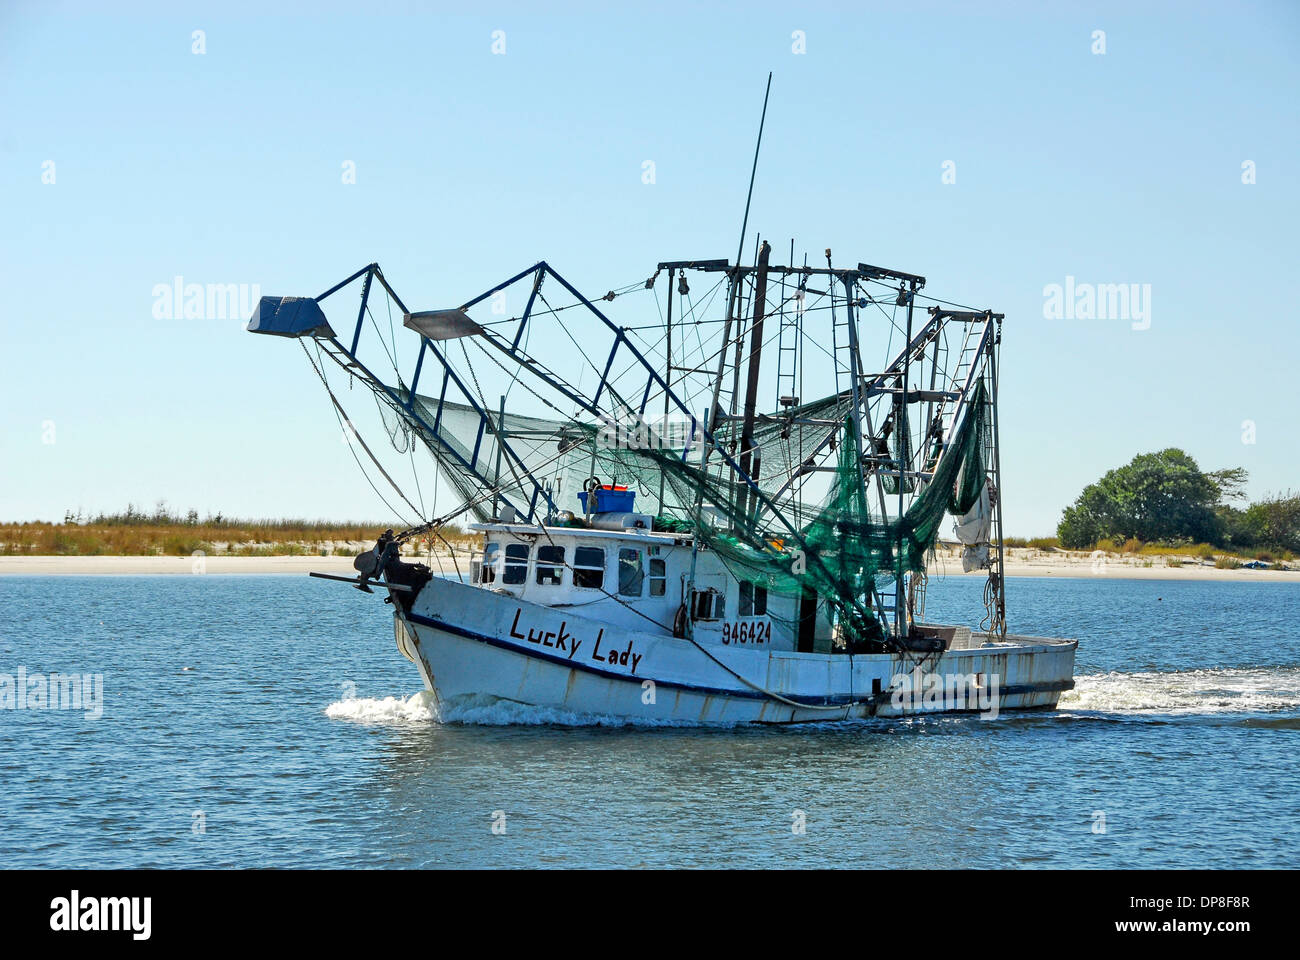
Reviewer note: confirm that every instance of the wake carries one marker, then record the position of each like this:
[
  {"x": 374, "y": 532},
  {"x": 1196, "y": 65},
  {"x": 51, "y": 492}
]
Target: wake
[{"x": 1232, "y": 690}]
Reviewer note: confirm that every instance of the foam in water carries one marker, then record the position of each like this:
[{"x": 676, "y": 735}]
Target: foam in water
[
  {"x": 423, "y": 708},
  {"x": 492, "y": 712},
  {"x": 1242, "y": 690},
  {"x": 417, "y": 708}
]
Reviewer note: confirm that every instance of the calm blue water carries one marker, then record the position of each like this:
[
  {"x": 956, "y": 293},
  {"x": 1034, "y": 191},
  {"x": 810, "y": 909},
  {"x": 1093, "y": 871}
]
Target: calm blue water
[{"x": 1184, "y": 732}]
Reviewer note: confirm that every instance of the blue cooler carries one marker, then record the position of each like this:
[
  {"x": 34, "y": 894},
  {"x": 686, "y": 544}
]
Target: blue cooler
[{"x": 610, "y": 500}]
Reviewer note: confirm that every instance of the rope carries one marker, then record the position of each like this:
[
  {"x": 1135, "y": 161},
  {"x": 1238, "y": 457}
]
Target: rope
[
  {"x": 776, "y": 696},
  {"x": 345, "y": 419}
]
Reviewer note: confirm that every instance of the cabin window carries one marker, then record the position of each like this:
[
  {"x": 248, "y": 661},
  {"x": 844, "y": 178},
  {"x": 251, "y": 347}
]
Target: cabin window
[
  {"x": 631, "y": 575},
  {"x": 658, "y": 577},
  {"x": 550, "y": 565},
  {"x": 491, "y": 560},
  {"x": 589, "y": 567},
  {"x": 753, "y": 600},
  {"x": 710, "y": 604},
  {"x": 516, "y": 570}
]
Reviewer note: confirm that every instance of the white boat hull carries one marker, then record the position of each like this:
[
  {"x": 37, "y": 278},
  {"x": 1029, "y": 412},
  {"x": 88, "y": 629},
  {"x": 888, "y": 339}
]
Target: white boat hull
[{"x": 475, "y": 646}]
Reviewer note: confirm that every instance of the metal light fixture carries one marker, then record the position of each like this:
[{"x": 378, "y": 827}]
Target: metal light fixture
[{"x": 442, "y": 324}]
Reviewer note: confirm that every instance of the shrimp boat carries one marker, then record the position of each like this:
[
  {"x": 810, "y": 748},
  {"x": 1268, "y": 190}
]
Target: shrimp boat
[{"x": 666, "y": 529}]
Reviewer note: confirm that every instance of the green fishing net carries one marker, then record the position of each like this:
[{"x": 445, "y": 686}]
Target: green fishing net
[
  {"x": 835, "y": 548},
  {"x": 838, "y": 549}
]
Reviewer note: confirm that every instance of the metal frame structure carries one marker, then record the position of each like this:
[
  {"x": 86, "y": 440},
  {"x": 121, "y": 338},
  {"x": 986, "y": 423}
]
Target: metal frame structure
[
  {"x": 512, "y": 350},
  {"x": 946, "y": 403}
]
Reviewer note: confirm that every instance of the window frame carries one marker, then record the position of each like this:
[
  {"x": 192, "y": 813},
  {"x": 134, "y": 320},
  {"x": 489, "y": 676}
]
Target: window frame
[
  {"x": 624, "y": 590},
  {"x": 658, "y": 581},
  {"x": 583, "y": 571},
  {"x": 509, "y": 565},
  {"x": 753, "y": 598},
  {"x": 556, "y": 566}
]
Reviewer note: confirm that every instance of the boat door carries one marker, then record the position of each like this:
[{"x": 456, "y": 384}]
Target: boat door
[{"x": 807, "y": 621}]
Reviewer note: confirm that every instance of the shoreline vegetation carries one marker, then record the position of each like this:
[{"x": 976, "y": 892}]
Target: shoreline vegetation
[
  {"x": 1021, "y": 562},
  {"x": 1165, "y": 499},
  {"x": 161, "y": 542},
  {"x": 161, "y": 533}
]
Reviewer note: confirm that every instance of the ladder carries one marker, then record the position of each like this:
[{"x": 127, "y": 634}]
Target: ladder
[
  {"x": 734, "y": 350},
  {"x": 993, "y": 477},
  {"x": 966, "y": 358},
  {"x": 841, "y": 344},
  {"x": 789, "y": 331}
]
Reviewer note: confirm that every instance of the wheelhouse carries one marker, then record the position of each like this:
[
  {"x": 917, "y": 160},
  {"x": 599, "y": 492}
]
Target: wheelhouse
[{"x": 641, "y": 579}]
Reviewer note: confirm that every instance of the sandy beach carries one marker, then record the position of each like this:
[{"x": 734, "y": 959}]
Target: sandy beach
[
  {"x": 1020, "y": 563},
  {"x": 1025, "y": 562},
  {"x": 118, "y": 566}
]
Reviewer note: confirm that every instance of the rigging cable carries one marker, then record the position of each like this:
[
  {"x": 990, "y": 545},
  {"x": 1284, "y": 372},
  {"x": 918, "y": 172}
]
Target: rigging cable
[{"x": 346, "y": 424}]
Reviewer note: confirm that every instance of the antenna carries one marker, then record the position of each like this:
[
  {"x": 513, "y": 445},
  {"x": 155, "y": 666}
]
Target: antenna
[{"x": 744, "y": 225}]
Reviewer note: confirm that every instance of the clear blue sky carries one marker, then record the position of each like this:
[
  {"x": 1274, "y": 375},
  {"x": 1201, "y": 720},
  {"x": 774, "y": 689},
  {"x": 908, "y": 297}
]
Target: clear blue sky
[{"x": 225, "y": 167}]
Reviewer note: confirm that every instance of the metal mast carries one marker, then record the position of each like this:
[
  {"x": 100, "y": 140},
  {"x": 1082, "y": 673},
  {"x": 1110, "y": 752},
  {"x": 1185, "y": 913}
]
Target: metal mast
[
  {"x": 902, "y": 428},
  {"x": 749, "y": 457}
]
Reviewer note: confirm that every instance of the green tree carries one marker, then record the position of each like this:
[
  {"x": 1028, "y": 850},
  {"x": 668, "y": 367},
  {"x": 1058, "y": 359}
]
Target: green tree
[
  {"x": 1156, "y": 496},
  {"x": 1239, "y": 529},
  {"x": 1275, "y": 521}
]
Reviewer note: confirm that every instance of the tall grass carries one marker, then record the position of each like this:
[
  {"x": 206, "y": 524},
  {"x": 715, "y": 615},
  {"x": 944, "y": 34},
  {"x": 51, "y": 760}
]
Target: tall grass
[
  {"x": 1035, "y": 543},
  {"x": 136, "y": 533},
  {"x": 1181, "y": 551},
  {"x": 1195, "y": 551}
]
